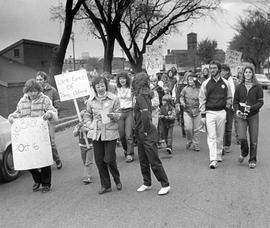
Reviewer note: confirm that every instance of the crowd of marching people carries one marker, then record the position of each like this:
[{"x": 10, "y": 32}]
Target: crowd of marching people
[{"x": 142, "y": 110}]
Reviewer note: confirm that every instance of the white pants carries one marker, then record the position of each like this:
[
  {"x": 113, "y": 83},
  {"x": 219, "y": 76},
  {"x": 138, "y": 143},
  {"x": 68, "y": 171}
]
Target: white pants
[
  {"x": 155, "y": 117},
  {"x": 215, "y": 126}
]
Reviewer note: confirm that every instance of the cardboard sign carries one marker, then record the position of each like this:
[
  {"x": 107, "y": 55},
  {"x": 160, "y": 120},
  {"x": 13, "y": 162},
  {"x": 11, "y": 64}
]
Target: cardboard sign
[
  {"x": 72, "y": 85},
  {"x": 233, "y": 58},
  {"x": 31, "y": 143},
  {"x": 153, "y": 59}
]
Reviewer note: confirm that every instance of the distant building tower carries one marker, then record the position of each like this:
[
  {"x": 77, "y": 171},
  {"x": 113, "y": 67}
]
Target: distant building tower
[
  {"x": 192, "y": 48},
  {"x": 85, "y": 55}
]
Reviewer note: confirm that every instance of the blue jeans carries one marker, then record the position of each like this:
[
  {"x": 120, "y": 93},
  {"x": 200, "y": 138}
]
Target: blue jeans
[
  {"x": 167, "y": 133},
  {"x": 87, "y": 155},
  {"x": 192, "y": 128},
  {"x": 52, "y": 139},
  {"x": 251, "y": 124},
  {"x": 125, "y": 127}
]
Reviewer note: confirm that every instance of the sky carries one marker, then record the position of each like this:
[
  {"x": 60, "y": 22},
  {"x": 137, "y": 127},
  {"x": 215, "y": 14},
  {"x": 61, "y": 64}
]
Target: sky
[{"x": 30, "y": 19}]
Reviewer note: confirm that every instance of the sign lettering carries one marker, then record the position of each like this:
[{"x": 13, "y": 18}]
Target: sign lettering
[
  {"x": 72, "y": 85},
  {"x": 31, "y": 143}
]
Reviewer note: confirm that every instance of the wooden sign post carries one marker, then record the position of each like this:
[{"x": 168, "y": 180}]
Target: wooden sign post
[{"x": 73, "y": 85}]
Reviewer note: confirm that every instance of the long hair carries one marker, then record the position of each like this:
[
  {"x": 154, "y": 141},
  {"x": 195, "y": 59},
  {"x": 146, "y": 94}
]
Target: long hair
[
  {"x": 140, "y": 84},
  {"x": 253, "y": 79},
  {"x": 123, "y": 75}
]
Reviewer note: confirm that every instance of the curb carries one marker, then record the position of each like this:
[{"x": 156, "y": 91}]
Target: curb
[
  {"x": 66, "y": 124},
  {"x": 65, "y": 119}
]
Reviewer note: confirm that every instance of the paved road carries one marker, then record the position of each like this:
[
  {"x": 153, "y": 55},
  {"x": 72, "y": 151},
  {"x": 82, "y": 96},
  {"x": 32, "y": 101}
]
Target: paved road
[{"x": 230, "y": 196}]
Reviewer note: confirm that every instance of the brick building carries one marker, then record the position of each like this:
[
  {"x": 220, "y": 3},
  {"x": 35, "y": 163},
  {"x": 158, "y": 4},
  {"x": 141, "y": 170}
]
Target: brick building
[
  {"x": 183, "y": 59},
  {"x": 18, "y": 63},
  {"x": 34, "y": 54},
  {"x": 188, "y": 59},
  {"x": 13, "y": 75}
]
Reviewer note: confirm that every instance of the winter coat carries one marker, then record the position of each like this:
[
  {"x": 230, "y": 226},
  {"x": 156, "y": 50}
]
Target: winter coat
[
  {"x": 189, "y": 99},
  {"x": 106, "y": 131},
  {"x": 253, "y": 98},
  {"x": 35, "y": 108}
]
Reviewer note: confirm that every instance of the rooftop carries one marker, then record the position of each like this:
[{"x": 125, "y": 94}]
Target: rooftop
[{"x": 25, "y": 41}]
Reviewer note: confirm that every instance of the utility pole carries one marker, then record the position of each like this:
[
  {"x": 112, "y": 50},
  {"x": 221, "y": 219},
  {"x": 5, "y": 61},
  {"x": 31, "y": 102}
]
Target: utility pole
[
  {"x": 268, "y": 63},
  {"x": 60, "y": 5},
  {"x": 123, "y": 59},
  {"x": 73, "y": 47}
]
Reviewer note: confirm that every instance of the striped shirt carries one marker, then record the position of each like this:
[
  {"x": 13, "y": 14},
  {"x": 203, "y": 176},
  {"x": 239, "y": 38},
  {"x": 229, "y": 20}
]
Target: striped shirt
[{"x": 34, "y": 108}]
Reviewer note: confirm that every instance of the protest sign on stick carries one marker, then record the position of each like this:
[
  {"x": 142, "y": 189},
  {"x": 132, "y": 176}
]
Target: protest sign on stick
[
  {"x": 31, "y": 143},
  {"x": 73, "y": 85},
  {"x": 233, "y": 59},
  {"x": 153, "y": 59}
]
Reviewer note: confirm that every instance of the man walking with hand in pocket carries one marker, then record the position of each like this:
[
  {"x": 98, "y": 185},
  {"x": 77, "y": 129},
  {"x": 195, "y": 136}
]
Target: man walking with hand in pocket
[
  {"x": 52, "y": 93},
  {"x": 215, "y": 98}
]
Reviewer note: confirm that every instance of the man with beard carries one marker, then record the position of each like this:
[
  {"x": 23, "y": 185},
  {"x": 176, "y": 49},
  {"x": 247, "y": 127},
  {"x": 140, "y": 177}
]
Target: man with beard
[{"x": 215, "y": 98}]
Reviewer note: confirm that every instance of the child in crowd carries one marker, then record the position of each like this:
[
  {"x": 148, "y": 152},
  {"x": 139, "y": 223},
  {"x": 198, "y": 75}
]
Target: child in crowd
[
  {"x": 167, "y": 118},
  {"x": 166, "y": 90},
  {"x": 179, "y": 109},
  {"x": 86, "y": 153},
  {"x": 189, "y": 100}
]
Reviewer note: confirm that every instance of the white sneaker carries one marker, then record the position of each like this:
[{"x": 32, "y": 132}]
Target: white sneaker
[
  {"x": 241, "y": 159},
  {"x": 144, "y": 188},
  {"x": 164, "y": 190},
  {"x": 213, "y": 165}
]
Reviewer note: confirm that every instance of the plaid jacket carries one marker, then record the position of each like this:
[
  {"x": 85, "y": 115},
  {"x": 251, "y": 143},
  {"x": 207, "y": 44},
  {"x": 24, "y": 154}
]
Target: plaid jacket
[{"x": 35, "y": 108}]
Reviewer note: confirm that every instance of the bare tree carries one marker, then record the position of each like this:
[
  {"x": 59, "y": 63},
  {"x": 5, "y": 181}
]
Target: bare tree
[
  {"x": 252, "y": 38},
  {"x": 147, "y": 21},
  {"x": 71, "y": 9},
  {"x": 106, "y": 16}
]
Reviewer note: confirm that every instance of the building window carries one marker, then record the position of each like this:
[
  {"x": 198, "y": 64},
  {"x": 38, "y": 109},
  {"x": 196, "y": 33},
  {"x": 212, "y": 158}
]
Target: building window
[{"x": 17, "y": 53}]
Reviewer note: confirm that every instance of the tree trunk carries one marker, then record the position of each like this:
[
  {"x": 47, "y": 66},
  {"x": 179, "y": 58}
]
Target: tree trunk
[
  {"x": 60, "y": 51},
  {"x": 108, "y": 54},
  {"x": 137, "y": 65},
  {"x": 257, "y": 66}
]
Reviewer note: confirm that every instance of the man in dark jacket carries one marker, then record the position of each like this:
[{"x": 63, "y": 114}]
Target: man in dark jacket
[
  {"x": 52, "y": 93},
  {"x": 215, "y": 98}
]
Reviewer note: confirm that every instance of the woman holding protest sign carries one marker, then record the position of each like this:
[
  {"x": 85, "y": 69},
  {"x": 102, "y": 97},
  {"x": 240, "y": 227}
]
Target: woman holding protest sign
[
  {"x": 103, "y": 130},
  {"x": 35, "y": 104}
]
